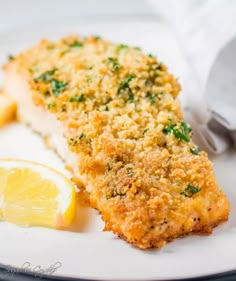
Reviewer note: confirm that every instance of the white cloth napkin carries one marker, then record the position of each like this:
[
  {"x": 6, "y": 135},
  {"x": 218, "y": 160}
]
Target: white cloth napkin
[{"x": 206, "y": 31}]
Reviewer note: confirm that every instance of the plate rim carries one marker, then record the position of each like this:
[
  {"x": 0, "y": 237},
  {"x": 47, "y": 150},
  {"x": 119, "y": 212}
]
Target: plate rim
[{"x": 11, "y": 273}]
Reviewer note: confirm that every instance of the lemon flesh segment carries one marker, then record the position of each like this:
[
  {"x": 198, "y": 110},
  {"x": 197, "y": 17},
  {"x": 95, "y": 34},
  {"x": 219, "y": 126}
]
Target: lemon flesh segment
[{"x": 35, "y": 195}]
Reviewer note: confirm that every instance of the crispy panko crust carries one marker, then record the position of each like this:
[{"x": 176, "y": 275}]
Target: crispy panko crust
[{"x": 122, "y": 120}]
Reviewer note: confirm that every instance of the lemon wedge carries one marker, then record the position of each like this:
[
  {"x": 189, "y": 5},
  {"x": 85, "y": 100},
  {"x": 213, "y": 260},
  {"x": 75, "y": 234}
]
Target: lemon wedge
[{"x": 32, "y": 194}]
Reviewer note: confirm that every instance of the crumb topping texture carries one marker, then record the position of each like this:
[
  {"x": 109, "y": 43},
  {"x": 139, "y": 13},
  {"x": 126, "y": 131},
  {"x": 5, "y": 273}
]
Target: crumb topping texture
[{"x": 122, "y": 118}]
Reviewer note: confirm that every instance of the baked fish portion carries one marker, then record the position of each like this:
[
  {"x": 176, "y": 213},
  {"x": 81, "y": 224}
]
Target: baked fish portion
[{"x": 112, "y": 113}]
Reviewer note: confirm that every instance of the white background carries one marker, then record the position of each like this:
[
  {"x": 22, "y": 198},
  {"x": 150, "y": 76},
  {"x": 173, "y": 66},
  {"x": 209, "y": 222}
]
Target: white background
[{"x": 23, "y": 13}]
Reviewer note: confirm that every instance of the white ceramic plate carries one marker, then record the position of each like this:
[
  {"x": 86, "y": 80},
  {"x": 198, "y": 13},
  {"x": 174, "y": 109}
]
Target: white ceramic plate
[{"x": 90, "y": 253}]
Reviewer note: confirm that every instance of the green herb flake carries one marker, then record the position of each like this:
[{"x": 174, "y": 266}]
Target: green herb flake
[
  {"x": 151, "y": 56},
  {"x": 148, "y": 83},
  {"x": 121, "y": 46},
  {"x": 10, "y": 57},
  {"x": 185, "y": 128},
  {"x": 131, "y": 97},
  {"x": 72, "y": 141},
  {"x": 58, "y": 87},
  {"x": 130, "y": 171},
  {"x": 89, "y": 79},
  {"x": 80, "y": 98},
  {"x": 190, "y": 190},
  {"x": 159, "y": 66},
  {"x": 108, "y": 100},
  {"x": 115, "y": 64},
  {"x": 114, "y": 193},
  {"x": 178, "y": 183},
  {"x": 125, "y": 89},
  {"x": 82, "y": 136},
  {"x": 76, "y": 44},
  {"x": 151, "y": 97},
  {"x": 108, "y": 167},
  {"x": 64, "y": 52},
  {"x": 145, "y": 131},
  {"x": 195, "y": 150},
  {"x": 181, "y": 132},
  {"x": 127, "y": 80},
  {"x": 51, "y": 105},
  {"x": 125, "y": 83},
  {"x": 46, "y": 76}
]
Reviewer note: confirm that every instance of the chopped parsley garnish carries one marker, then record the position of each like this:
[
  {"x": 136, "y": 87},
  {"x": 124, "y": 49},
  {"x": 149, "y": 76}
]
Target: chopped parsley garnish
[
  {"x": 145, "y": 131},
  {"x": 11, "y": 57},
  {"x": 115, "y": 64},
  {"x": 151, "y": 97},
  {"x": 137, "y": 48},
  {"x": 154, "y": 68},
  {"x": 148, "y": 82},
  {"x": 82, "y": 136},
  {"x": 178, "y": 183},
  {"x": 159, "y": 67},
  {"x": 125, "y": 83},
  {"x": 89, "y": 79},
  {"x": 181, "y": 132},
  {"x": 125, "y": 88},
  {"x": 51, "y": 105},
  {"x": 121, "y": 46},
  {"x": 127, "y": 80},
  {"x": 46, "y": 76},
  {"x": 130, "y": 171},
  {"x": 108, "y": 167},
  {"x": 72, "y": 141},
  {"x": 185, "y": 128},
  {"x": 106, "y": 103},
  {"x": 77, "y": 98},
  {"x": 190, "y": 190},
  {"x": 58, "y": 87},
  {"x": 151, "y": 56},
  {"x": 195, "y": 150},
  {"x": 114, "y": 193},
  {"x": 108, "y": 100},
  {"x": 76, "y": 44},
  {"x": 97, "y": 37},
  {"x": 131, "y": 97}
]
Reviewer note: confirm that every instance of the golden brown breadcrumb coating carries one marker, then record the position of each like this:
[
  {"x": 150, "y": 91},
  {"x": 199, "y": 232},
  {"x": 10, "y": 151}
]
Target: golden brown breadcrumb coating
[{"x": 122, "y": 119}]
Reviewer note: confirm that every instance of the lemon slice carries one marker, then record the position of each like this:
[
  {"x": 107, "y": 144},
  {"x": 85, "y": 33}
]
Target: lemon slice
[{"x": 32, "y": 194}]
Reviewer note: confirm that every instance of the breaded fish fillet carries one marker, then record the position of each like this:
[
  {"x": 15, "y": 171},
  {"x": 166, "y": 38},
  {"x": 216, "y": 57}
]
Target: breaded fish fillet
[{"x": 112, "y": 113}]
